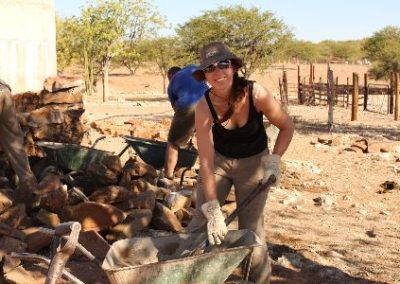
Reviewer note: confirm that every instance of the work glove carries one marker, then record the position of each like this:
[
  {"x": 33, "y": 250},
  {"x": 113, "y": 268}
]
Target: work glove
[
  {"x": 271, "y": 167},
  {"x": 216, "y": 227}
]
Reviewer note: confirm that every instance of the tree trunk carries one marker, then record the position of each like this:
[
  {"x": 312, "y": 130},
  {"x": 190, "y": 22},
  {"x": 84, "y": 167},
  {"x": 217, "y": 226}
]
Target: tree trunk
[
  {"x": 88, "y": 73},
  {"x": 105, "y": 66},
  {"x": 164, "y": 84}
]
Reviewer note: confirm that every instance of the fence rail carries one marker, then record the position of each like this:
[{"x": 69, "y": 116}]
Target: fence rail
[{"x": 369, "y": 95}]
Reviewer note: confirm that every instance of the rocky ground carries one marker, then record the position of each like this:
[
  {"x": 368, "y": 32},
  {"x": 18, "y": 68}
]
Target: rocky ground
[{"x": 332, "y": 219}]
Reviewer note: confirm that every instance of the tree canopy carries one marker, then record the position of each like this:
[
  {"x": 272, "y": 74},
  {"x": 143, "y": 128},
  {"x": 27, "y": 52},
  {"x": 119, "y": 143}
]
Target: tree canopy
[
  {"x": 104, "y": 30},
  {"x": 255, "y": 36},
  {"x": 383, "y": 49}
]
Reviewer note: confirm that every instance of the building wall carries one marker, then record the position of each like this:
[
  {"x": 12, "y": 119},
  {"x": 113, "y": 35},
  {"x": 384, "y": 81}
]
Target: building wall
[{"x": 27, "y": 43}]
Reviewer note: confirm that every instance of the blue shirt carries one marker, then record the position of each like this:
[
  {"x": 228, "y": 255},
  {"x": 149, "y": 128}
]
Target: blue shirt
[{"x": 184, "y": 90}]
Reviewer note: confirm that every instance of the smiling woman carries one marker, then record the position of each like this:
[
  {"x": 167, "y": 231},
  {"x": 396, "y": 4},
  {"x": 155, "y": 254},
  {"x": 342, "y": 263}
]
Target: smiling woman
[{"x": 233, "y": 150}]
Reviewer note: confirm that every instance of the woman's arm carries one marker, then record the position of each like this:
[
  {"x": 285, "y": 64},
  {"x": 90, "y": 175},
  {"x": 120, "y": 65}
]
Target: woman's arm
[
  {"x": 203, "y": 123},
  {"x": 264, "y": 101}
]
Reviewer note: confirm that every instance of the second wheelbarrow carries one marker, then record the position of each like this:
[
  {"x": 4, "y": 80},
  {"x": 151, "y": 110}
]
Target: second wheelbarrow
[{"x": 152, "y": 152}]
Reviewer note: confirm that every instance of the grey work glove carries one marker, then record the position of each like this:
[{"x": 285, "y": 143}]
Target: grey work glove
[
  {"x": 271, "y": 166},
  {"x": 216, "y": 227}
]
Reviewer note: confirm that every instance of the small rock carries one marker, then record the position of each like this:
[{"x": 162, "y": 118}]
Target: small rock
[
  {"x": 371, "y": 233},
  {"x": 363, "y": 212}
]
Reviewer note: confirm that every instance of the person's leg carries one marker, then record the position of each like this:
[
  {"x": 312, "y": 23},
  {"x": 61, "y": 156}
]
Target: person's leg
[
  {"x": 12, "y": 142},
  {"x": 247, "y": 174},
  {"x": 12, "y": 138},
  {"x": 182, "y": 127},
  {"x": 171, "y": 158}
]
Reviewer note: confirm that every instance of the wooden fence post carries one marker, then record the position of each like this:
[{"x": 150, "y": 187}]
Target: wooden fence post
[
  {"x": 336, "y": 92},
  {"x": 392, "y": 92},
  {"x": 299, "y": 91},
  {"x": 396, "y": 95},
  {"x": 285, "y": 89},
  {"x": 311, "y": 81},
  {"x": 331, "y": 98},
  {"x": 365, "y": 91},
  {"x": 320, "y": 91},
  {"x": 354, "y": 99},
  {"x": 347, "y": 92}
]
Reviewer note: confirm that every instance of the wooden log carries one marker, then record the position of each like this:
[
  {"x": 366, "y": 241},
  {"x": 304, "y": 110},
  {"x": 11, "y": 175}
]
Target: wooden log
[
  {"x": 26, "y": 102},
  {"x": 38, "y": 258},
  {"x": 70, "y": 96},
  {"x": 64, "y": 252}
]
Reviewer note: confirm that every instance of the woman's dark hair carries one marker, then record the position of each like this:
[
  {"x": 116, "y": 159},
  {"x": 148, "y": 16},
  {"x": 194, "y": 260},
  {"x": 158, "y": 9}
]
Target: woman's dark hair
[{"x": 239, "y": 83}]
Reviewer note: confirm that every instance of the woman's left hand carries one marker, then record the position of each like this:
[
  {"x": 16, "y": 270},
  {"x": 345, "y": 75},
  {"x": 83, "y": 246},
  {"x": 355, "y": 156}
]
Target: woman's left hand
[{"x": 271, "y": 166}]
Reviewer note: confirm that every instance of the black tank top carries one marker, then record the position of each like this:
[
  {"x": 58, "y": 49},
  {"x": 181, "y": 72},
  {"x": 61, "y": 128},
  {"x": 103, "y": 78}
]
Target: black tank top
[{"x": 243, "y": 142}]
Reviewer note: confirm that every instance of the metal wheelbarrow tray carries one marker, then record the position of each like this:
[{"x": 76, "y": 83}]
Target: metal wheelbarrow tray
[
  {"x": 153, "y": 152},
  {"x": 72, "y": 157},
  {"x": 154, "y": 260}
]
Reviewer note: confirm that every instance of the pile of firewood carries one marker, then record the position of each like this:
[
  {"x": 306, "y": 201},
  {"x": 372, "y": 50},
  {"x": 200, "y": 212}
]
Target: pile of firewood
[
  {"x": 54, "y": 114},
  {"x": 110, "y": 201}
]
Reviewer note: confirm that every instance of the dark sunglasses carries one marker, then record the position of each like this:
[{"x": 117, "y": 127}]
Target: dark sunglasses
[{"x": 220, "y": 65}]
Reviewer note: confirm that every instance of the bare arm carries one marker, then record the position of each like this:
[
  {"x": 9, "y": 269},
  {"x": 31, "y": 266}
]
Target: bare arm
[
  {"x": 203, "y": 123},
  {"x": 265, "y": 102}
]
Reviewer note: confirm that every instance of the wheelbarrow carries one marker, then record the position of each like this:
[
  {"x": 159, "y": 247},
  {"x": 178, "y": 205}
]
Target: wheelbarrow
[
  {"x": 176, "y": 259},
  {"x": 148, "y": 260},
  {"x": 153, "y": 153},
  {"x": 74, "y": 157}
]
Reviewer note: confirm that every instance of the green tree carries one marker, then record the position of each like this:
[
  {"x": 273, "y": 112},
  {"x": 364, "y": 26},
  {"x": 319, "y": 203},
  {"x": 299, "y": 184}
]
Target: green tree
[
  {"x": 165, "y": 53},
  {"x": 257, "y": 37},
  {"x": 66, "y": 28},
  {"x": 301, "y": 50},
  {"x": 104, "y": 29},
  {"x": 383, "y": 49},
  {"x": 350, "y": 50}
]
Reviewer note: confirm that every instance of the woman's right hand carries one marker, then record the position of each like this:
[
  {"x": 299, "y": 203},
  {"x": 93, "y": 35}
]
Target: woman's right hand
[{"x": 216, "y": 227}]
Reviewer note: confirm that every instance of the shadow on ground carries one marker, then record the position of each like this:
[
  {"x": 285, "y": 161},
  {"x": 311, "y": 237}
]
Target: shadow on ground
[
  {"x": 306, "y": 271},
  {"x": 306, "y": 127}
]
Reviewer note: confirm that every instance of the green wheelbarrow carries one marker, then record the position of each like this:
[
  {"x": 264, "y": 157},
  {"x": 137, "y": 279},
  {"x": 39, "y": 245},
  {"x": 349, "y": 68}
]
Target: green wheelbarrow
[
  {"x": 72, "y": 157},
  {"x": 153, "y": 153},
  {"x": 157, "y": 260}
]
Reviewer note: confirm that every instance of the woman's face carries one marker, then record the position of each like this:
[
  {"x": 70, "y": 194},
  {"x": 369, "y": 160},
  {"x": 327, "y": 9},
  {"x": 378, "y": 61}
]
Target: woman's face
[{"x": 220, "y": 75}]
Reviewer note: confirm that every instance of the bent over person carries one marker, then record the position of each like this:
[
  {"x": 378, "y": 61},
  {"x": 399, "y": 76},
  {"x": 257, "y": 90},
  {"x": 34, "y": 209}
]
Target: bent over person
[
  {"x": 233, "y": 150},
  {"x": 183, "y": 93},
  {"x": 12, "y": 143}
]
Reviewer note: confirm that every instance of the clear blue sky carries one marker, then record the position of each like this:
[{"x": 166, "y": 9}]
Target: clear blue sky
[{"x": 313, "y": 20}]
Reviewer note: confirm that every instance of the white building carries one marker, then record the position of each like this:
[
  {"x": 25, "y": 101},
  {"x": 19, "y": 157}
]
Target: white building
[{"x": 27, "y": 43}]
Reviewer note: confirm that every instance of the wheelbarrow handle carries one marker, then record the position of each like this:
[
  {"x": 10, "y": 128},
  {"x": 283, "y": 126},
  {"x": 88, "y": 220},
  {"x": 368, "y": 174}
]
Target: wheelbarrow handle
[{"x": 97, "y": 141}]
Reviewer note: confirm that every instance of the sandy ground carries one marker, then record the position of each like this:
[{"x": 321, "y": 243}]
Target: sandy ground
[{"x": 326, "y": 221}]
